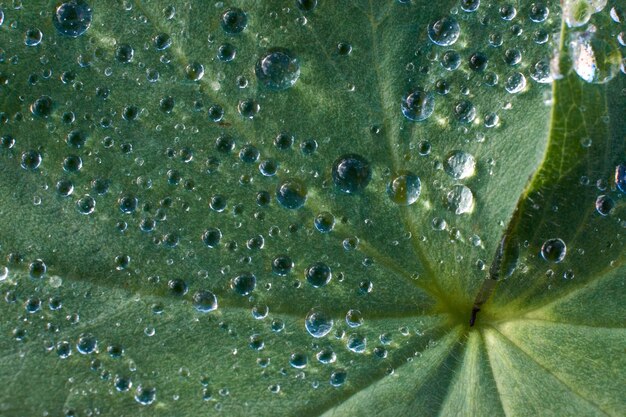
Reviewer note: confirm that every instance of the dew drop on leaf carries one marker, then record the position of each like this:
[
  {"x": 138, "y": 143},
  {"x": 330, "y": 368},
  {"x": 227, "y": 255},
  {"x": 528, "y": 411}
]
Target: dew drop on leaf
[
  {"x": 291, "y": 194},
  {"x": 460, "y": 199},
  {"x": 243, "y": 284},
  {"x": 278, "y": 69},
  {"x": 204, "y": 301},
  {"x": 318, "y": 274},
  {"x": 86, "y": 344},
  {"x": 318, "y": 323},
  {"x": 459, "y": 165},
  {"x": 234, "y": 21},
  {"x": 351, "y": 173},
  {"x": 553, "y": 250},
  {"x": 418, "y": 105},
  {"x": 404, "y": 189},
  {"x": 444, "y": 32},
  {"x": 338, "y": 377},
  {"x": 145, "y": 395},
  {"x": 604, "y": 205},
  {"x": 354, "y": 318},
  {"x": 72, "y": 18},
  {"x": 324, "y": 222}
]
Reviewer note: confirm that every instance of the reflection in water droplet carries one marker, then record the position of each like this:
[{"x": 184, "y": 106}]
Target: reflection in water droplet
[
  {"x": 604, "y": 205},
  {"x": 515, "y": 83},
  {"x": 291, "y": 194},
  {"x": 318, "y": 274},
  {"x": 459, "y": 165},
  {"x": 553, "y": 250},
  {"x": 465, "y": 111},
  {"x": 72, "y": 18},
  {"x": 318, "y": 323},
  {"x": 460, "y": 199},
  {"x": 418, "y": 105},
  {"x": 404, "y": 189},
  {"x": 204, "y": 301},
  {"x": 444, "y": 32},
  {"x": 356, "y": 343},
  {"x": 594, "y": 59},
  {"x": 278, "y": 69},
  {"x": 145, "y": 395},
  {"x": 354, "y": 318},
  {"x": 351, "y": 173},
  {"x": 620, "y": 177},
  {"x": 243, "y": 284},
  {"x": 338, "y": 377}
]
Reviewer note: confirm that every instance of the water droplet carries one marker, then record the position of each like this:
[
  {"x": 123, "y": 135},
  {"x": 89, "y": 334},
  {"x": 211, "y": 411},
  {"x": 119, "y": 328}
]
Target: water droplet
[
  {"x": 72, "y": 18},
  {"x": 620, "y": 177},
  {"x": 404, "y": 189},
  {"x": 278, "y": 69},
  {"x": 444, "y": 32},
  {"x": 306, "y": 5},
  {"x": 351, "y": 173},
  {"x": 31, "y": 160},
  {"x": 553, "y": 250},
  {"x": 204, "y": 301},
  {"x": 211, "y": 237},
  {"x": 33, "y": 37},
  {"x": 318, "y": 274},
  {"x": 465, "y": 111},
  {"x": 298, "y": 360},
  {"x": 291, "y": 194},
  {"x": 326, "y": 356},
  {"x": 145, "y": 395},
  {"x": 42, "y": 107},
  {"x": 86, "y": 344},
  {"x": 37, "y": 269},
  {"x": 282, "y": 265},
  {"x": 539, "y": 12},
  {"x": 354, "y": 318},
  {"x": 324, "y": 222},
  {"x": 86, "y": 205},
  {"x": 451, "y": 60},
  {"x": 234, "y": 21},
  {"x": 243, "y": 284},
  {"x": 418, "y": 105},
  {"x": 318, "y": 323},
  {"x": 515, "y": 83},
  {"x": 459, "y": 165},
  {"x": 356, "y": 343},
  {"x": 541, "y": 72},
  {"x": 594, "y": 59},
  {"x": 338, "y": 377},
  {"x": 470, "y": 5},
  {"x": 460, "y": 199},
  {"x": 604, "y": 205}
]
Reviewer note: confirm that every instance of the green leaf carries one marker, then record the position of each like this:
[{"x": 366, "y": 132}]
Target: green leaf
[{"x": 122, "y": 319}]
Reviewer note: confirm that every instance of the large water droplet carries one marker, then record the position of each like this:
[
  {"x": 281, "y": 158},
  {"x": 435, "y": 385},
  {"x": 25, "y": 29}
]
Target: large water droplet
[
  {"x": 404, "y": 189},
  {"x": 234, "y": 21},
  {"x": 459, "y": 165},
  {"x": 444, "y": 32},
  {"x": 418, "y": 105},
  {"x": 594, "y": 59},
  {"x": 604, "y": 205},
  {"x": 553, "y": 250},
  {"x": 243, "y": 284},
  {"x": 351, "y": 173},
  {"x": 278, "y": 69},
  {"x": 291, "y": 194},
  {"x": 145, "y": 395},
  {"x": 204, "y": 301},
  {"x": 318, "y": 274},
  {"x": 72, "y": 18},
  {"x": 460, "y": 199},
  {"x": 318, "y": 323}
]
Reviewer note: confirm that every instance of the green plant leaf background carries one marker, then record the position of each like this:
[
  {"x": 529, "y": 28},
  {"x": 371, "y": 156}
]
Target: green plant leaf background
[{"x": 549, "y": 341}]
